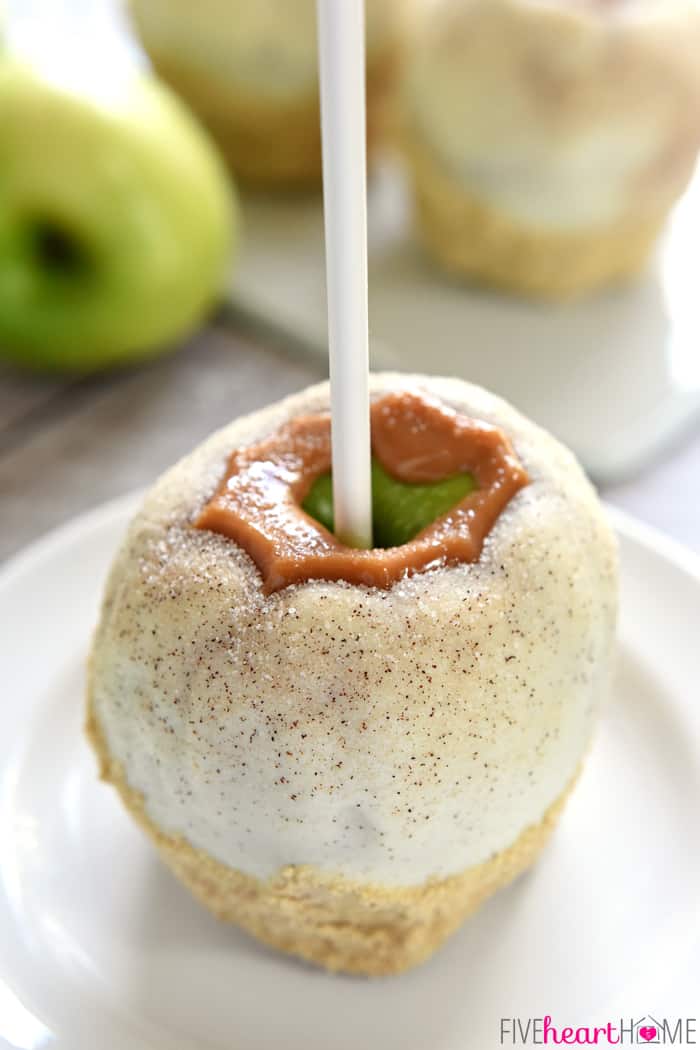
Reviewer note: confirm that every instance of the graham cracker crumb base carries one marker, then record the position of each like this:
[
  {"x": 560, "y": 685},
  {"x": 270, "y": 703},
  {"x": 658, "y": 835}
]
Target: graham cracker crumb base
[
  {"x": 471, "y": 239},
  {"x": 337, "y": 923},
  {"x": 277, "y": 143}
]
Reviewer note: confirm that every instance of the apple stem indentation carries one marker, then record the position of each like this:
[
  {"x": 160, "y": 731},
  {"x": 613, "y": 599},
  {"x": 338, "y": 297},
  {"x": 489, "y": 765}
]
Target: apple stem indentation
[{"x": 57, "y": 251}]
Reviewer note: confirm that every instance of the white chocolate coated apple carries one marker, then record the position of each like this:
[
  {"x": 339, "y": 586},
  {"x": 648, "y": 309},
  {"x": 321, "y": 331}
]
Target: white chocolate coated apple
[
  {"x": 562, "y": 114},
  {"x": 386, "y": 735},
  {"x": 263, "y": 46}
]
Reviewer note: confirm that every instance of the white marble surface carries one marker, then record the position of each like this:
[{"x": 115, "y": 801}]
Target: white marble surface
[{"x": 667, "y": 495}]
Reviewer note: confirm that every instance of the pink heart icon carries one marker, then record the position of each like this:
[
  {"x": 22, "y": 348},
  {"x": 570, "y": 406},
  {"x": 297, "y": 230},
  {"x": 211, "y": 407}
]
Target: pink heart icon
[{"x": 647, "y": 1032}]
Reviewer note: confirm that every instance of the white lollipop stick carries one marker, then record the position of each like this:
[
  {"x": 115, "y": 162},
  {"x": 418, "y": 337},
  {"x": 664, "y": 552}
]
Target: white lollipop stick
[{"x": 341, "y": 42}]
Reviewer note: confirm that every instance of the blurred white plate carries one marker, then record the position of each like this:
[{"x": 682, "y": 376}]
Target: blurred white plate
[
  {"x": 100, "y": 949},
  {"x": 616, "y": 377}
]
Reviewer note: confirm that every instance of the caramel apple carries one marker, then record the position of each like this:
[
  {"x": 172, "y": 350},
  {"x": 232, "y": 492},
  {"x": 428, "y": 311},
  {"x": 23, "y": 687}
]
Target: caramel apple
[
  {"x": 548, "y": 139},
  {"x": 346, "y": 751},
  {"x": 250, "y": 72}
]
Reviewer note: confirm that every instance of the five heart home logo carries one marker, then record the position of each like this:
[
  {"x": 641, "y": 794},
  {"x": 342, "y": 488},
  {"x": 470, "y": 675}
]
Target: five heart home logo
[{"x": 625, "y": 1031}]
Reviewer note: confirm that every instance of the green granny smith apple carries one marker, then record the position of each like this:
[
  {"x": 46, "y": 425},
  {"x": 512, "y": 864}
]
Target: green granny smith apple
[
  {"x": 399, "y": 510},
  {"x": 116, "y": 220}
]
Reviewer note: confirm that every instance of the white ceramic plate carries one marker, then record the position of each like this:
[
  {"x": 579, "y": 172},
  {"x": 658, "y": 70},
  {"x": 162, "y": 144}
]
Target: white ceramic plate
[{"x": 100, "y": 948}]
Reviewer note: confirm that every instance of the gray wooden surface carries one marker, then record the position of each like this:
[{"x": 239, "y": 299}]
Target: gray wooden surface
[{"x": 66, "y": 447}]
